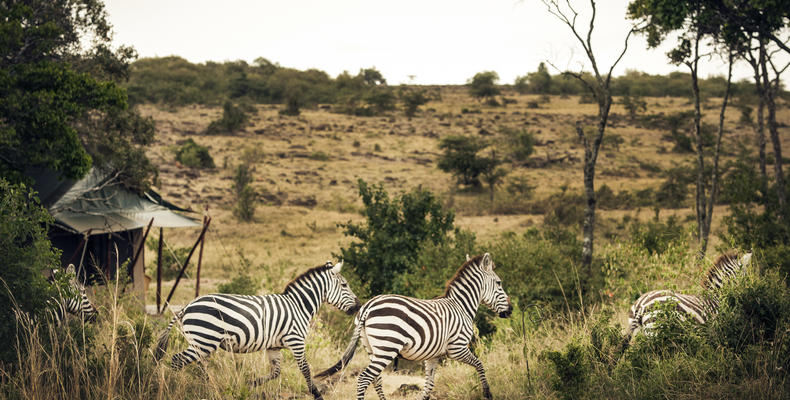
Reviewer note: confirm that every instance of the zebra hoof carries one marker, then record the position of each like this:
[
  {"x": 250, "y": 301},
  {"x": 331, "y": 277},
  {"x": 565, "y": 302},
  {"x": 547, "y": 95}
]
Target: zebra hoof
[
  {"x": 487, "y": 394},
  {"x": 316, "y": 394}
]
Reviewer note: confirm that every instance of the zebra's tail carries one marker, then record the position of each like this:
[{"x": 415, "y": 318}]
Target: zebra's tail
[
  {"x": 161, "y": 345},
  {"x": 347, "y": 356}
]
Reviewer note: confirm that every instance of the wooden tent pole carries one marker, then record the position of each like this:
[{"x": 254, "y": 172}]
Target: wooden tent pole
[
  {"x": 83, "y": 242},
  {"x": 142, "y": 243},
  {"x": 200, "y": 262},
  {"x": 159, "y": 270},
  {"x": 184, "y": 267}
]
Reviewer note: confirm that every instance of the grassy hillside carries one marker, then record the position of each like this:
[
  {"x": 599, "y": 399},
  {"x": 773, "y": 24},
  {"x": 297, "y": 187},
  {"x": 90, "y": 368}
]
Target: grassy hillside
[{"x": 305, "y": 171}]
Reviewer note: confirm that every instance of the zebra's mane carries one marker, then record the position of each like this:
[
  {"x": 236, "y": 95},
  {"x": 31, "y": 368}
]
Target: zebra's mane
[
  {"x": 473, "y": 261},
  {"x": 320, "y": 268},
  {"x": 728, "y": 258}
]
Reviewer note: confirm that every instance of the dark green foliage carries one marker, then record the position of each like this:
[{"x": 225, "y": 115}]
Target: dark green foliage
[
  {"x": 675, "y": 189},
  {"x": 245, "y": 194},
  {"x": 170, "y": 260},
  {"x": 26, "y": 253},
  {"x": 60, "y": 101},
  {"x": 194, "y": 155},
  {"x": 572, "y": 370},
  {"x": 752, "y": 311},
  {"x": 535, "y": 82},
  {"x": 234, "y": 118},
  {"x": 519, "y": 143},
  {"x": 412, "y": 100},
  {"x": 461, "y": 159},
  {"x": 657, "y": 236},
  {"x": 394, "y": 231},
  {"x": 484, "y": 85},
  {"x": 634, "y": 105}
]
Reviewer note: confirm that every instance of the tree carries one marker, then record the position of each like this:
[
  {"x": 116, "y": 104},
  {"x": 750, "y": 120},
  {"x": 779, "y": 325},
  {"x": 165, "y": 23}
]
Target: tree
[
  {"x": 412, "y": 100},
  {"x": 695, "y": 21},
  {"x": 540, "y": 80},
  {"x": 484, "y": 85},
  {"x": 462, "y": 160},
  {"x": 600, "y": 88},
  {"x": 233, "y": 119},
  {"x": 393, "y": 234},
  {"x": 26, "y": 253},
  {"x": 60, "y": 101}
]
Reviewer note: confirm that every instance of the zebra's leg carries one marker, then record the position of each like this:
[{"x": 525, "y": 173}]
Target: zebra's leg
[
  {"x": 430, "y": 368},
  {"x": 274, "y": 356},
  {"x": 464, "y": 355},
  {"x": 296, "y": 345},
  {"x": 379, "y": 388},
  {"x": 372, "y": 373},
  {"x": 191, "y": 354}
]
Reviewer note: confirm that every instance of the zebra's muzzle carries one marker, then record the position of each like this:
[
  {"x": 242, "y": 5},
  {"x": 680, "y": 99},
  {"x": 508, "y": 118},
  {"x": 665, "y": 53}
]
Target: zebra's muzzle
[
  {"x": 90, "y": 317},
  {"x": 506, "y": 313}
]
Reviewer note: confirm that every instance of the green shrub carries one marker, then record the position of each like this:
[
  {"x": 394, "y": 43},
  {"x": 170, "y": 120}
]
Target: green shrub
[
  {"x": 246, "y": 196},
  {"x": 657, "y": 236},
  {"x": 233, "y": 119},
  {"x": 484, "y": 85},
  {"x": 519, "y": 143},
  {"x": 393, "y": 233},
  {"x": 460, "y": 157},
  {"x": 194, "y": 155},
  {"x": 26, "y": 253},
  {"x": 412, "y": 100},
  {"x": 571, "y": 370},
  {"x": 170, "y": 260}
]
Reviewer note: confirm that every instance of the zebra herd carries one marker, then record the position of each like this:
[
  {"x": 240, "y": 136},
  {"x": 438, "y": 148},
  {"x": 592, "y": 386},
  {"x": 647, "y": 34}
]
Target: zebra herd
[{"x": 389, "y": 326}]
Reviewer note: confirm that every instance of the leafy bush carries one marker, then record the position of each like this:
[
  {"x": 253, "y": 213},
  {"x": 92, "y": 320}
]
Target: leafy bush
[
  {"x": 461, "y": 159},
  {"x": 194, "y": 155},
  {"x": 233, "y": 119},
  {"x": 657, "y": 236},
  {"x": 484, "y": 85},
  {"x": 571, "y": 370},
  {"x": 519, "y": 143},
  {"x": 412, "y": 100},
  {"x": 245, "y": 193},
  {"x": 26, "y": 253},
  {"x": 392, "y": 235},
  {"x": 634, "y": 105}
]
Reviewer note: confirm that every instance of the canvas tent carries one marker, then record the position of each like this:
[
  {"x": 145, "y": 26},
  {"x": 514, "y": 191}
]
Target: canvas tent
[{"x": 96, "y": 215}]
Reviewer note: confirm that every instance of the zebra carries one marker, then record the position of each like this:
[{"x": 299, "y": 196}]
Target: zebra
[
  {"x": 700, "y": 308},
  {"x": 427, "y": 330},
  {"x": 73, "y": 300},
  {"x": 245, "y": 324}
]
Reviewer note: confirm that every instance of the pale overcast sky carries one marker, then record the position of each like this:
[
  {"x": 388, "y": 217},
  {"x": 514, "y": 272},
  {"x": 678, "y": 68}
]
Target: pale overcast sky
[{"x": 437, "y": 41}]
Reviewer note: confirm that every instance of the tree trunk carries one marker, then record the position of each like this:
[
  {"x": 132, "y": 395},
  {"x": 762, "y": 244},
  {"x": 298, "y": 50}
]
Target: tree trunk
[
  {"x": 760, "y": 129},
  {"x": 773, "y": 129},
  {"x": 590, "y": 158},
  {"x": 700, "y": 196},
  {"x": 714, "y": 186}
]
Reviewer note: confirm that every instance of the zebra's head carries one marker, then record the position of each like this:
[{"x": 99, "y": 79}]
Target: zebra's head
[
  {"x": 493, "y": 295},
  {"x": 338, "y": 293},
  {"x": 726, "y": 267},
  {"x": 76, "y": 299}
]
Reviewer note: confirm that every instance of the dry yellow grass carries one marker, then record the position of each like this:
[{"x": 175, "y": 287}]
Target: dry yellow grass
[{"x": 307, "y": 168}]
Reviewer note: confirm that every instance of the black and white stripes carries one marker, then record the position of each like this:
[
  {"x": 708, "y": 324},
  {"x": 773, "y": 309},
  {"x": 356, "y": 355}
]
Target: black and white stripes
[
  {"x": 700, "y": 308},
  {"x": 417, "y": 329},
  {"x": 75, "y": 302},
  {"x": 245, "y": 324}
]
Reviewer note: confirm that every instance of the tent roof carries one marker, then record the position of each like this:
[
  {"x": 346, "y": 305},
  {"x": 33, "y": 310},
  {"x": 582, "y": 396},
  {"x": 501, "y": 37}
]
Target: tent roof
[{"x": 101, "y": 204}]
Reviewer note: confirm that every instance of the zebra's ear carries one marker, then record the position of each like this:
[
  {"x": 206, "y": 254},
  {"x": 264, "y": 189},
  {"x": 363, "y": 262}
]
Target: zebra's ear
[
  {"x": 467, "y": 257},
  {"x": 70, "y": 270},
  {"x": 746, "y": 259},
  {"x": 337, "y": 267},
  {"x": 488, "y": 264}
]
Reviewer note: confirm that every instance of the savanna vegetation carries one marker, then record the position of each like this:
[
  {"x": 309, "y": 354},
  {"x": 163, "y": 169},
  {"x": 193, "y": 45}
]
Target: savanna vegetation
[{"x": 402, "y": 182}]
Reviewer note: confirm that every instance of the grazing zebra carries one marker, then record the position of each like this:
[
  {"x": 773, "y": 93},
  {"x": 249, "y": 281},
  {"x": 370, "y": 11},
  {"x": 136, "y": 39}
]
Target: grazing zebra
[
  {"x": 244, "y": 324},
  {"x": 76, "y": 302},
  {"x": 417, "y": 329},
  {"x": 701, "y": 308}
]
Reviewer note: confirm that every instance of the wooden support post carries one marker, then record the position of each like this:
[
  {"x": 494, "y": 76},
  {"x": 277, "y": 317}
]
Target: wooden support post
[
  {"x": 159, "y": 269},
  {"x": 83, "y": 242},
  {"x": 184, "y": 267},
  {"x": 200, "y": 261},
  {"x": 138, "y": 273}
]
